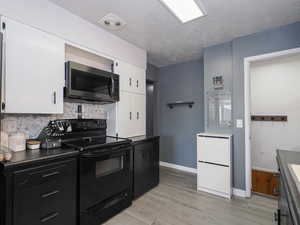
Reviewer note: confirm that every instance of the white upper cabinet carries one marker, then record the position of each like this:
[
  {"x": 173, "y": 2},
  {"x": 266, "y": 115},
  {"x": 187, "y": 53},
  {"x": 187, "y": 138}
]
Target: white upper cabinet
[
  {"x": 131, "y": 115},
  {"x": 131, "y": 109},
  {"x": 132, "y": 78},
  {"x": 32, "y": 70}
]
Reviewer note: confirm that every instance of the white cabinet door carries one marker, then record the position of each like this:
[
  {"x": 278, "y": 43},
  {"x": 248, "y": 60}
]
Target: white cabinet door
[
  {"x": 126, "y": 79},
  {"x": 139, "y": 109},
  {"x": 125, "y": 115},
  {"x": 33, "y": 70},
  {"x": 139, "y": 81},
  {"x": 131, "y": 115},
  {"x": 214, "y": 178},
  {"x": 132, "y": 78},
  {"x": 213, "y": 150}
]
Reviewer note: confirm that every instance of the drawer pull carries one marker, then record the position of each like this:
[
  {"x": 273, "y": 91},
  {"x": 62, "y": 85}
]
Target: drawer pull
[
  {"x": 51, "y": 174},
  {"x": 50, "y": 217},
  {"x": 49, "y": 194}
]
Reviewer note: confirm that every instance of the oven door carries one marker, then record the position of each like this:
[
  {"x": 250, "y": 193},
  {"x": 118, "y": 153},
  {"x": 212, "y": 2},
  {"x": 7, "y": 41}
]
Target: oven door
[
  {"x": 103, "y": 176},
  {"x": 87, "y": 83}
]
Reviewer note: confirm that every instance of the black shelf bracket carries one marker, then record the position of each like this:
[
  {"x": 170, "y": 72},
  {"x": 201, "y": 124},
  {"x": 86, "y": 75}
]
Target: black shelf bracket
[{"x": 172, "y": 104}]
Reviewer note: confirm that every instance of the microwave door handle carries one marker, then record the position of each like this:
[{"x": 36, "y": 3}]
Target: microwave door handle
[{"x": 112, "y": 86}]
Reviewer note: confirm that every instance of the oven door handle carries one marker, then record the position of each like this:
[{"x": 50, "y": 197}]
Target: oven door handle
[{"x": 104, "y": 155}]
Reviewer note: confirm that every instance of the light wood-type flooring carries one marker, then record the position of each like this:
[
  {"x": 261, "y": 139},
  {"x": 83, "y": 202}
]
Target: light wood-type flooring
[{"x": 175, "y": 201}]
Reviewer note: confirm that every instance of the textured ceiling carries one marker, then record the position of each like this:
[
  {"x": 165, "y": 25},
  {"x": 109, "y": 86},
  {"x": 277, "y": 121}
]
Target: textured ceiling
[{"x": 152, "y": 27}]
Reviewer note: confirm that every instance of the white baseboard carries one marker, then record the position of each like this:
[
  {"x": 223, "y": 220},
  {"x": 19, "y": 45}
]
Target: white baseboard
[
  {"x": 265, "y": 169},
  {"x": 178, "y": 167},
  {"x": 239, "y": 193}
]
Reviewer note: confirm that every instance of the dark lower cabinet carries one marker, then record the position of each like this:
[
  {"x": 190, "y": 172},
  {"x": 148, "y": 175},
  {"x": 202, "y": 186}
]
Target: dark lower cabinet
[
  {"x": 44, "y": 194},
  {"x": 283, "y": 214},
  {"x": 145, "y": 165}
]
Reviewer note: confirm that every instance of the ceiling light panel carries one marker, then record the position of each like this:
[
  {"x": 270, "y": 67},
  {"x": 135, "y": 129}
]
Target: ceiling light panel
[{"x": 184, "y": 10}]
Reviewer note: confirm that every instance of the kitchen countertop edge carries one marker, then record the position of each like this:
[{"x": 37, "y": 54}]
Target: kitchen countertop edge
[
  {"x": 142, "y": 139},
  {"x": 284, "y": 158},
  {"x": 27, "y": 161}
]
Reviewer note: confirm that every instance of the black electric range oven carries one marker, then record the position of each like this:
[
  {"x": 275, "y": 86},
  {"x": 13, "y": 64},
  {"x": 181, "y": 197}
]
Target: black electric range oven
[
  {"x": 105, "y": 181},
  {"x": 105, "y": 169}
]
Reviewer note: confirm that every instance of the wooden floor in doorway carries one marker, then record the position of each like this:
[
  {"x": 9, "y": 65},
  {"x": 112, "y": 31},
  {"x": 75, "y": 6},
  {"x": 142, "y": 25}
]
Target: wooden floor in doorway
[
  {"x": 176, "y": 202},
  {"x": 265, "y": 182}
]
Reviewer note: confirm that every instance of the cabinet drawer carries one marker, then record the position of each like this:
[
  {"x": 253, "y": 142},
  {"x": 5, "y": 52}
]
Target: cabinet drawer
[
  {"x": 44, "y": 174},
  {"x": 213, "y": 177},
  {"x": 213, "y": 149},
  {"x": 48, "y": 196}
]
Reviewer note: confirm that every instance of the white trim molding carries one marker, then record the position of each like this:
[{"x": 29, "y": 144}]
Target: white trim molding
[
  {"x": 264, "y": 169},
  {"x": 239, "y": 193},
  {"x": 247, "y": 108},
  {"x": 178, "y": 167}
]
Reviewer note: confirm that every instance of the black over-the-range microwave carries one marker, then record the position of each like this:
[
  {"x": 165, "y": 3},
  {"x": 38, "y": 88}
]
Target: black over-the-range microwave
[{"x": 90, "y": 84}]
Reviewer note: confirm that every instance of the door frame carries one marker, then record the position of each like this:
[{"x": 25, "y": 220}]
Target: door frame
[{"x": 247, "y": 107}]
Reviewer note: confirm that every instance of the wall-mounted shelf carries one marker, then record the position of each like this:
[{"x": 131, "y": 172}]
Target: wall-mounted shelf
[
  {"x": 269, "y": 118},
  {"x": 177, "y": 103}
]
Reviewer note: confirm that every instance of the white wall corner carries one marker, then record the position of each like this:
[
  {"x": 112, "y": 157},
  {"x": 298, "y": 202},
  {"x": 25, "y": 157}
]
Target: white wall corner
[{"x": 178, "y": 167}]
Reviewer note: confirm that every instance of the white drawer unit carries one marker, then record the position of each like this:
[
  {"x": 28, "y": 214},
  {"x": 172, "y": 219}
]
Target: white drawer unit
[{"x": 214, "y": 169}]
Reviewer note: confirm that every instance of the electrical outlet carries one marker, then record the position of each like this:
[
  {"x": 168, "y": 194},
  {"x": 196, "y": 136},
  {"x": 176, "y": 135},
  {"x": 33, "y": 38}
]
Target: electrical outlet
[{"x": 239, "y": 123}]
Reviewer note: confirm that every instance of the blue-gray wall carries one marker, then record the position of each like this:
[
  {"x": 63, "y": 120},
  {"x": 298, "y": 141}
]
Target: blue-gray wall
[
  {"x": 278, "y": 39},
  {"x": 218, "y": 62},
  {"x": 179, "y": 126},
  {"x": 151, "y": 72}
]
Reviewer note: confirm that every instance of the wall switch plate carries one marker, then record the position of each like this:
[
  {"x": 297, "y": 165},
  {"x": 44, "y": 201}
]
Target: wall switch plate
[{"x": 239, "y": 123}]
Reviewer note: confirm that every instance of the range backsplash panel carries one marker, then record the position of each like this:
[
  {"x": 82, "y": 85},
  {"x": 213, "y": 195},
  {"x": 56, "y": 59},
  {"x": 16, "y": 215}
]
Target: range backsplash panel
[{"x": 32, "y": 124}]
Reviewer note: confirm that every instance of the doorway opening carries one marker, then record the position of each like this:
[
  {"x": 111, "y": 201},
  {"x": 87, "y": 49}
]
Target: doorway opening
[
  {"x": 150, "y": 107},
  {"x": 272, "y": 116}
]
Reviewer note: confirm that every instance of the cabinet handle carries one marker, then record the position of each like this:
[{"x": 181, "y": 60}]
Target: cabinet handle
[
  {"x": 50, "y": 217},
  {"x": 137, "y": 83},
  {"x": 50, "y": 174},
  {"x": 137, "y": 115},
  {"x": 54, "y": 97},
  {"x": 130, "y": 115},
  {"x": 276, "y": 216},
  {"x": 130, "y": 81},
  {"x": 49, "y": 194},
  {"x": 3, "y": 74}
]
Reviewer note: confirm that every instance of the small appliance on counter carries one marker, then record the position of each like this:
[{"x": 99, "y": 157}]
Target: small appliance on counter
[
  {"x": 33, "y": 144},
  {"x": 17, "y": 142}
]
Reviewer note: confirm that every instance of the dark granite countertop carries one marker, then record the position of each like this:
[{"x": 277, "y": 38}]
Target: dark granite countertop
[
  {"x": 142, "y": 138},
  {"x": 29, "y": 157},
  {"x": 285, "y": 159}
]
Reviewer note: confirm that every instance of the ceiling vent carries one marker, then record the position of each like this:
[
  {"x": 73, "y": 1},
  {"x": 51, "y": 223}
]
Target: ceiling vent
[{"x": 112, "y": 22}]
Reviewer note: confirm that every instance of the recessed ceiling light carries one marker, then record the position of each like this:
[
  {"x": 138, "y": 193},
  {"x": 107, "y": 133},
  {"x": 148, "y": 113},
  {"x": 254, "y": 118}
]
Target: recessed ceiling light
[
  {"x": 184, "y": 10},
  {"x": 112, "y": 22}
]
